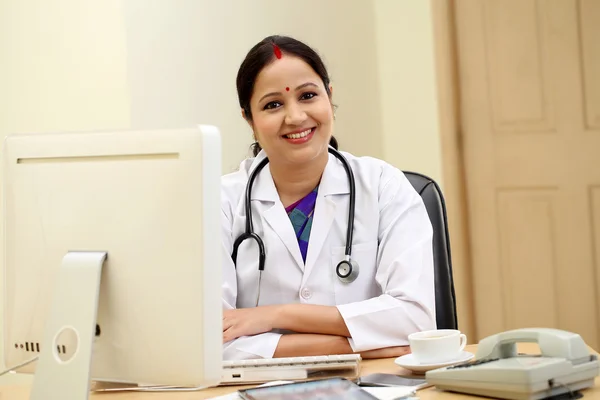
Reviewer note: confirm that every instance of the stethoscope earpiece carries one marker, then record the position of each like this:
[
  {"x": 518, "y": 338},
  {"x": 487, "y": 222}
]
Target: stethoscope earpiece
[{"x": 347, "y": 271}]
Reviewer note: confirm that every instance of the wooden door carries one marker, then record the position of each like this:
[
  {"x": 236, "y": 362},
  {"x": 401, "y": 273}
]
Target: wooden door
[{"x": 529, "y": 83}]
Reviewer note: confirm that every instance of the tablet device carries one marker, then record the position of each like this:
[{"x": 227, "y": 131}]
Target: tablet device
[
  {"x": 330, "y": 389},
  {"x": 391, "y": 380}
]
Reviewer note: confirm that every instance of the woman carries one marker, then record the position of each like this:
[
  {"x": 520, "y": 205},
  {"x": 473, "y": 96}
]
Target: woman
[{"x": 299, "y": 203}]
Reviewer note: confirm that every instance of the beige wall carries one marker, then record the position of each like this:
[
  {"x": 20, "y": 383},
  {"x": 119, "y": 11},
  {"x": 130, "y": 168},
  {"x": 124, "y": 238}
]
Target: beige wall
[
  {"x": 182, "y": 62},
  {"x": 407, "y": 82},
  {"x": 89, "y": 65},
  {"x": 62, "y": 68}
]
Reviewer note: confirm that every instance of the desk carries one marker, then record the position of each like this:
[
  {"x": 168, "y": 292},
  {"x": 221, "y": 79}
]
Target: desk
[{"x": 368, "y": 367}]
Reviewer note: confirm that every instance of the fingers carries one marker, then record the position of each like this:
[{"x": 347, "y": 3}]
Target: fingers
[
  {"x": 228, "y": 336},
  {"x": 231, "y": 333},
  {"x": 229, "y": 329},
  {"x": 231, "y": 325},
  {"x": 228, "y": 319}
]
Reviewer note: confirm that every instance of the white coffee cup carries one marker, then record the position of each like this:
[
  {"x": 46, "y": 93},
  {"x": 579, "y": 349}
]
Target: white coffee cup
[{"x": 437, "y": 346}]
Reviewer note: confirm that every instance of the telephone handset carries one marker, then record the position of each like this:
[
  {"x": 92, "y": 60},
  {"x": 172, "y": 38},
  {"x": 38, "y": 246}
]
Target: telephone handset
[
  {"x": 565, "y": 364},
  {"x": 552, "y": 342}
]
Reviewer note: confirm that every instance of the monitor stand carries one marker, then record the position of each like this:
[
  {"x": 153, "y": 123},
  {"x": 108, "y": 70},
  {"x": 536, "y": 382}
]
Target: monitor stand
[{"x": 65, "y": 374}]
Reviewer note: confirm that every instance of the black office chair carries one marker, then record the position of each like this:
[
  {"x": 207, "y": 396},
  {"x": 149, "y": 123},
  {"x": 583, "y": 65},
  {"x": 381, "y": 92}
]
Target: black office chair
[{"x": 445, "y": 299}]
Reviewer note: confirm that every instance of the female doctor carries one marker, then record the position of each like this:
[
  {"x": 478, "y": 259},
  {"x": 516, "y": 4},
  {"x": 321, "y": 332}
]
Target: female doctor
[{"x": 308, "y": 297}]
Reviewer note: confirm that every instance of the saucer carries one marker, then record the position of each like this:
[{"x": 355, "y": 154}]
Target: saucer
[{"x": 408, "y": 361}]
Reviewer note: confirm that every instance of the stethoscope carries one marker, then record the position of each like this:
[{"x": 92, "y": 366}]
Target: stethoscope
[{"x": 346, "y": 270}]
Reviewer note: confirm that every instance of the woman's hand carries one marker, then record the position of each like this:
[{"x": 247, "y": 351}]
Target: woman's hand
[
  {"x": 387, "y": 352},
  {"x": 247, "y": 321}
]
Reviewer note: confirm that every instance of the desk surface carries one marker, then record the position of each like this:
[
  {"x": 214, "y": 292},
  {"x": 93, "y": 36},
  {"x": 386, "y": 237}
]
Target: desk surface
[{"x": 368, "y": 367}]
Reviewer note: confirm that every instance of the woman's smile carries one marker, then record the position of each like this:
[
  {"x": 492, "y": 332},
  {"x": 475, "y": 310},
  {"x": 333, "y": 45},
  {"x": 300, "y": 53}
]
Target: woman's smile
[{"x": 300, "y": 136}]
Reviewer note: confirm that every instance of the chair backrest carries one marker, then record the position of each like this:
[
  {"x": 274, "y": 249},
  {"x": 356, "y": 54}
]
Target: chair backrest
[{"x": 445, "y": 299}]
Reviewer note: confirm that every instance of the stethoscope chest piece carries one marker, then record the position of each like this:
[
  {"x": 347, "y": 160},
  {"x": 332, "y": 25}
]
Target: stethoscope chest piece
[{"x": 347, "y": 270}]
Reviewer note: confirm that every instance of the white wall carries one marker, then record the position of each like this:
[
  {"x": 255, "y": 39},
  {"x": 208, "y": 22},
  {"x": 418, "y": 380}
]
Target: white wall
[{"x": 86, "y": 65}]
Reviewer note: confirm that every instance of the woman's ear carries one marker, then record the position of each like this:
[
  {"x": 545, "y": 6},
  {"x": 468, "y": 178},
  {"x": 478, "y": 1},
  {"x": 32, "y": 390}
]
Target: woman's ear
[
  {"x": 248, "y": 120},
  {"x": 333, "y": 106}
]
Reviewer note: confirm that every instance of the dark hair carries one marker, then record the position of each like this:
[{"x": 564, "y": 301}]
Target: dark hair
[{"x": 263, "y": 54}]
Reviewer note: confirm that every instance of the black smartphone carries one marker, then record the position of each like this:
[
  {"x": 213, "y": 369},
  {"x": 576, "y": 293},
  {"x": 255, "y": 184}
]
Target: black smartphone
[
  {"x": 390, "y": 380},
  {"x": 331, "y": 389}
]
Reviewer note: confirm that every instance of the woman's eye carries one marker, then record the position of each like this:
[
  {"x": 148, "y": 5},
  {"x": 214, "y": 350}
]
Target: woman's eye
[
  {"x": 308, "y": 96},
  {"x": 272, "y": 105}
]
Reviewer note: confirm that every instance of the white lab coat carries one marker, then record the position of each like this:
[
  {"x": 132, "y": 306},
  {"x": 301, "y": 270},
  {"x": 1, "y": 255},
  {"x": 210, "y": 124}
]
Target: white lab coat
[{"x": 393, "y": 295}]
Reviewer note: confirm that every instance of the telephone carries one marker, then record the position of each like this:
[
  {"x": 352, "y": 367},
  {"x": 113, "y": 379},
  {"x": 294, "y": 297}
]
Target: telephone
[{"x": 565, "y": 365}]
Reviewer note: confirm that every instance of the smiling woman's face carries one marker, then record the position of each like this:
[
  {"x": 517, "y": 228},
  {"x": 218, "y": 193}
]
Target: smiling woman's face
[{"x": 292, "y": 115}]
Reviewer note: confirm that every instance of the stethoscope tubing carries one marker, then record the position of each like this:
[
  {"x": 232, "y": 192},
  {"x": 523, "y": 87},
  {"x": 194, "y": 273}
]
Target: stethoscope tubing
[{"x": 249, "y": 233}]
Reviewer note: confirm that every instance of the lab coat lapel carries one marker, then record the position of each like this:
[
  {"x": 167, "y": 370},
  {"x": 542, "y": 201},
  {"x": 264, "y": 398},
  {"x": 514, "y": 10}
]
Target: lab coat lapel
[
  {"x": 333, "y": 182},
  {"x": 264, "y": 190}
]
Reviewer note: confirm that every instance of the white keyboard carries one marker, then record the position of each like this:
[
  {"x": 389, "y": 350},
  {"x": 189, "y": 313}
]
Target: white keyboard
[{"x": 290, "y": 369}]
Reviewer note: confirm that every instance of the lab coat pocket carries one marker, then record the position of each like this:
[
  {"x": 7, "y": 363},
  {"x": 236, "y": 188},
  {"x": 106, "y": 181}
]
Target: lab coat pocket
[{"x": 365, "y": 286}]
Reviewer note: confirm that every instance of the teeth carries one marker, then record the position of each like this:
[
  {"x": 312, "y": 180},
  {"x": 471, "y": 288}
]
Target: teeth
[{"x": 298, "y": 135}]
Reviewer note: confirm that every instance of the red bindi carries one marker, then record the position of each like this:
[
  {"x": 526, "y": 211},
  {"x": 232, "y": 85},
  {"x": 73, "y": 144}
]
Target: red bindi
[
  {"x": 287, "y": 89},
  {"x": 277, "y": 51}
]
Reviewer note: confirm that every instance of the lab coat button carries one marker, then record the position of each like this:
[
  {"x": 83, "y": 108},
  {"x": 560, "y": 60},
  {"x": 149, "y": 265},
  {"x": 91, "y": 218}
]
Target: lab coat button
[{"x": 306, "y": 293}]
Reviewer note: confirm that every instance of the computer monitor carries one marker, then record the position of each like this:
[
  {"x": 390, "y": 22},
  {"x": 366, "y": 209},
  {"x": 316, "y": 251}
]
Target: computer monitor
[{"x": 113, "y": 238}]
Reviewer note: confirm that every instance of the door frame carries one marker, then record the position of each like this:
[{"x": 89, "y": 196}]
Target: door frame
[{"x": 453, "y": 184}]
